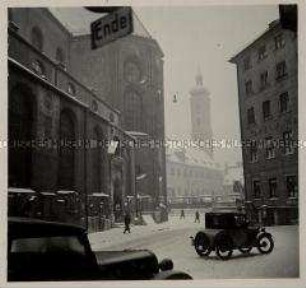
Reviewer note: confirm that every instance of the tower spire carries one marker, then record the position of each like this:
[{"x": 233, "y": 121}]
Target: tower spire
[
  {"x": 199, "y": 77},
  {"x": 200, "y": 113}
]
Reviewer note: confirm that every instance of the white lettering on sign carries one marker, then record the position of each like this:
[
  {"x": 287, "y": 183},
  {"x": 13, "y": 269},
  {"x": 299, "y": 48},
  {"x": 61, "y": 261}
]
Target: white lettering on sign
[{"x": 111, "y": 27}]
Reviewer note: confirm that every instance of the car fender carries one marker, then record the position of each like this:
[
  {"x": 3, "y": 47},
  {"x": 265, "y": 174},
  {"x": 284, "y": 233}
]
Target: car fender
[{"x": 172, "y": 275}]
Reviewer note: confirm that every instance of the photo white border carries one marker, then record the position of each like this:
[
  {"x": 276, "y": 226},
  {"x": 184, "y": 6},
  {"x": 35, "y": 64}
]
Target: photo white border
[{"x": 282, "y": 282}]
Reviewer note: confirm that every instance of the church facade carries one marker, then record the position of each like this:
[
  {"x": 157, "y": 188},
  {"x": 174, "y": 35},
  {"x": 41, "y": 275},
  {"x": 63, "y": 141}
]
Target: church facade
[{"x": 62, "y": 127}]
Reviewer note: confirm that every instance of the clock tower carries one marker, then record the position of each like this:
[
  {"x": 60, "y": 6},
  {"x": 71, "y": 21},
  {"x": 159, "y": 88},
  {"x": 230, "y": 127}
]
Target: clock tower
[{"x": 200, "y": 115}]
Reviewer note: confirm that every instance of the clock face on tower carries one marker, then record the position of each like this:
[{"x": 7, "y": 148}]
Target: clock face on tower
[{"x": 132, "y": 72}]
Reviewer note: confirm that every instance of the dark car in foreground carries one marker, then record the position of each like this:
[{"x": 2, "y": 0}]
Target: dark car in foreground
[
  {"x": 48, "y": 251},
  {"x": 225, "y": 232}
]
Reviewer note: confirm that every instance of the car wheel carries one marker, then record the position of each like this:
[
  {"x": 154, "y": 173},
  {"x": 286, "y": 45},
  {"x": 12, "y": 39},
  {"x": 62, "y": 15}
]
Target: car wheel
[
  {"x": 224, "y": 247},
  {"x": 202, "y": 244},
  {"x": 245, "y": 250},
  {"x": 265, "y": 244}
]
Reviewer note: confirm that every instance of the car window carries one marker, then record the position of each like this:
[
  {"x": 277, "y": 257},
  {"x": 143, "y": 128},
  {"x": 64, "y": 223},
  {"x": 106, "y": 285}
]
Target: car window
[{"x": 47, "y": 244}]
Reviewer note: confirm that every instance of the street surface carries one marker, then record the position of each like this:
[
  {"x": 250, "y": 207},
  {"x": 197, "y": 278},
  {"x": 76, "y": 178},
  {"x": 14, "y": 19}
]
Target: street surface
[{"x": 171, "y": 240}]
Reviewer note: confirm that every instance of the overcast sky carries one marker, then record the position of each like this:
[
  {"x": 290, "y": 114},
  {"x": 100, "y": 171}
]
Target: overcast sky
[{"x": 204, "y": 37}]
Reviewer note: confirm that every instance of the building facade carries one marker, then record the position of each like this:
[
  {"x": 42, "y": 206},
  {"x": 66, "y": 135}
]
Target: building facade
[
  {"x": 128, "y": 74},
  {"x": 193, "y": 178},
  {"x": 267, "y": 73},
  {"x": 61, "y": 129}
]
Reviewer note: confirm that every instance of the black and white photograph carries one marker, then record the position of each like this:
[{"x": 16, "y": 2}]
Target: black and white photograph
[{"x": 152, "y": 141}]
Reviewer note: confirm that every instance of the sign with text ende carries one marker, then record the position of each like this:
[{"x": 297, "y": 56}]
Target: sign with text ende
[{"x": 111, "y": 27}]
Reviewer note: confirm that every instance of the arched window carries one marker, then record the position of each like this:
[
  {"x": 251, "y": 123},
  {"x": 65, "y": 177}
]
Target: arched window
[
  {"x": 39, "y": 68},
  {"x": 133, "y": 111},
  {"x": 60, "y": 56},
  {"x": 21, "y": 117},
  {"x": 37, "y": 38},
  {"x": 71, "y": 89},
  {"x": 66, "y": 170}
]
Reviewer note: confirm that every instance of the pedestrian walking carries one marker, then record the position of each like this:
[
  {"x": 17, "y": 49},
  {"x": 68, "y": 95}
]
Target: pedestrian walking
[
  {"x": 197, "y": 217},
  {"x": 127, "y": 222},
  {"x": 182, "y": 214}
]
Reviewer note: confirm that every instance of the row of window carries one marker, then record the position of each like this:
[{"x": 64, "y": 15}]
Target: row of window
[
  {"x": 39, "y": 68},
  {"x": 290, "y": 182},
  {"x": 189, "y": 173},
  {"x": 283, "y": 106},
  {"x": 279, "y": 42},
  {"x": 185, "y": 192},
  {"x": 281, "y": 71},
  {"x": 287, "y": 144},
  {"x": 37, "y": 40}
]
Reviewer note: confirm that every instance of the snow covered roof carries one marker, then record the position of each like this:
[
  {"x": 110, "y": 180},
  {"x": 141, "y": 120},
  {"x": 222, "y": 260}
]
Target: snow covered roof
[{"x": 192, "y": 157}]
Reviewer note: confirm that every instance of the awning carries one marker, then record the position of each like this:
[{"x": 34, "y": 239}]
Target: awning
[
  {"x": 65, "y": 192},
  {"x": 98, "y": 194},
  {"x": 48, "y": 193},
  {"x": 21, "y": 190}
]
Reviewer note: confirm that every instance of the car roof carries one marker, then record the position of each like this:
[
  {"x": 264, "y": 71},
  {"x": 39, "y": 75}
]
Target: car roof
[
  {"x": 224, "y": 214},
  {"x": 27, "y": 227}
]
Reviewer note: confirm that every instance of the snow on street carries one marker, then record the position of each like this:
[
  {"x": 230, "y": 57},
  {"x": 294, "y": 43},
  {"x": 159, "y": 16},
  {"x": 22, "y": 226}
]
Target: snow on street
[{"x": 171, "y": 240}]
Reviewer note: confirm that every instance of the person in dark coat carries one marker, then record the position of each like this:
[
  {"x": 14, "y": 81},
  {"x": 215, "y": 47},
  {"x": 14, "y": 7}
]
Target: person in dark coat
[
  {"x": 127, "y": 222},
  {"x": 182, "y": 214},
  {"x": 197, "y": 217}
]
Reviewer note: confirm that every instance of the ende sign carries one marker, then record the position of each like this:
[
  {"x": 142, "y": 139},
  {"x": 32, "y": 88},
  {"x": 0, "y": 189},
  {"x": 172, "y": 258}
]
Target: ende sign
[{"x": 111, "y": 27}]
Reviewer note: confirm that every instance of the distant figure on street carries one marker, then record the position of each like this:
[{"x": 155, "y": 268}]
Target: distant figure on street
[
  {"x": 197, "y": 217},
  {"x": 182, "y": 214},
  {"x": 127, "y": 222}
]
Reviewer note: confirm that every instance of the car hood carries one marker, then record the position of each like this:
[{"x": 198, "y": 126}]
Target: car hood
[{"x": 127, "y": 264}]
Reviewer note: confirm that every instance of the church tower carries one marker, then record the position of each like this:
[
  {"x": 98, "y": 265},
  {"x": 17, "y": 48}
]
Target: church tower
[{"x": 200, "y": 114}]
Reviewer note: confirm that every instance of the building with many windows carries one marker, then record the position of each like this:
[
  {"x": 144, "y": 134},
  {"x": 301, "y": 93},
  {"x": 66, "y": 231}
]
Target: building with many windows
[
  {"x": 267, "y": 73},
  {"x": 193, "y": 178}
]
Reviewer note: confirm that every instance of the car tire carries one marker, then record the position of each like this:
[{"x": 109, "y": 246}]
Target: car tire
[
  {"x": 202, "y": 244},
  {"x": 265, "y": 243},
  {"x": 224, "y": 247}
]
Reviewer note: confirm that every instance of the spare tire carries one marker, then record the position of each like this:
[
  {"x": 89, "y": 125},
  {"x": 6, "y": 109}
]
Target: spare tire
[{"x": 202, "y": 244}]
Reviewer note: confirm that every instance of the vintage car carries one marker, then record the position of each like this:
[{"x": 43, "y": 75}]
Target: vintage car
[
  {"x": 48, "y": 251},
  {"x": 225, "y": 232}
]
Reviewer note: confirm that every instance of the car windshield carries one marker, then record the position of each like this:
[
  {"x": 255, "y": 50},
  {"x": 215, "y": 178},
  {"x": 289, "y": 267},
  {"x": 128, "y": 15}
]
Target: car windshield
[{"x": 47, "y": 244}]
